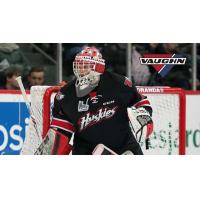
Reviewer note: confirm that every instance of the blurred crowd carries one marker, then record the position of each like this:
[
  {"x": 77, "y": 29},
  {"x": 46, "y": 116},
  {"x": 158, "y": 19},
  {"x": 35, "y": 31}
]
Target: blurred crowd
[
  {"x": 142, "y": 75},
  {"x": 13, "y": 63}
]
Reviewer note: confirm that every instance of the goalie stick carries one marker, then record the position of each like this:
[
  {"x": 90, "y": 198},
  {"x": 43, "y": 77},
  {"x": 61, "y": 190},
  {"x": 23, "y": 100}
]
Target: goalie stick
[{"x": 21, "y": 86}]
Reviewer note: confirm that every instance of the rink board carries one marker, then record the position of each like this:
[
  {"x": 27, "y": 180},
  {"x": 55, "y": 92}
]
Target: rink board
[{"x": 14, "y": 119}]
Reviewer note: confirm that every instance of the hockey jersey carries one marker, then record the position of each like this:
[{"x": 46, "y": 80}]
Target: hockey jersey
[{"x": 99, "y": 117}]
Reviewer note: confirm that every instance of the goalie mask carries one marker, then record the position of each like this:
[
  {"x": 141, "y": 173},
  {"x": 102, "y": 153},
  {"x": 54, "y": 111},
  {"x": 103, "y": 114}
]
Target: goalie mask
[{"x": 88, "y": 66}]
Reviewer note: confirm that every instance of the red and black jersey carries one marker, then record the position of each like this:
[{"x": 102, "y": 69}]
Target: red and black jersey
[{"x": 99, "y": 117}]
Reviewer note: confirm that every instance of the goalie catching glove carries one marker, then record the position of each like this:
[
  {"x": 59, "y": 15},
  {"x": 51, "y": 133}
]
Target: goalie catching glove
[{"x": 140, "y": 118}]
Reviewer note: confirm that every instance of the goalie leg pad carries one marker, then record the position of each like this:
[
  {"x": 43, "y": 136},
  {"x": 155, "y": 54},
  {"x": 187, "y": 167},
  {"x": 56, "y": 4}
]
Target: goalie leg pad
[
  {"x": 101, "y": 149},
  {"x": 132, "y": 148},
  {"x": 47, "y": 144},
  {"x": 61, "y": 145},
  {"x": 54, "y": 143}
]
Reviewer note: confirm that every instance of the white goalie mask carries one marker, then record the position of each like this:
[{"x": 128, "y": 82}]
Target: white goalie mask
[{"x": 88, "y": 66}]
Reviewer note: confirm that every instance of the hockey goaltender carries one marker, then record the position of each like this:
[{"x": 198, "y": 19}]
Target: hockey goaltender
[{"x": 101, "y": 111}]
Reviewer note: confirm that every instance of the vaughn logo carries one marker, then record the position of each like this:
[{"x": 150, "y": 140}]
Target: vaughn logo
[
  {"x": 90, "y": 119},
  {"x": 162, "y": 63}
]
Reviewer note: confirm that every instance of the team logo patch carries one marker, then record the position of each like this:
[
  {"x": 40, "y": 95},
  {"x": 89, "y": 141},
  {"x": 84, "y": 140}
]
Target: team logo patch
[
  {"x": 59, "y": 96},
  {"x": 84, "y": 106},
  {"x": 128, "y": 82},
  {"x": 162, "y": 63},
  {"x": 95, "y": 99}
]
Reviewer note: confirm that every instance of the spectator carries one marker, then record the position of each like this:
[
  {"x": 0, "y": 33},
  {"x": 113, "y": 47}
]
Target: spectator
[
  {"x": 49, "y": 48},
  {"x": 179, "y": 76},
  {"x": 3, "y": 66},
  {"x": 35, "y": 77},
  {"x": 115, "y": 56},
  {"x": 10, "y": 75},
  {"x": 10, "y": 53},
  {"x": 140, "y": 73}
]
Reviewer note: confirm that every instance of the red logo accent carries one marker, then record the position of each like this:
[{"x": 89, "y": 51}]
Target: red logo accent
[
  {"x": 93, "y": 94},
  {"x": 128, "y": 83}
]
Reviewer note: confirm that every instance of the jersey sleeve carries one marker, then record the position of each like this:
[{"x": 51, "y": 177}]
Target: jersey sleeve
[
  {"x": 131, "y": 97},
  {"x": 60, "y": 121}
]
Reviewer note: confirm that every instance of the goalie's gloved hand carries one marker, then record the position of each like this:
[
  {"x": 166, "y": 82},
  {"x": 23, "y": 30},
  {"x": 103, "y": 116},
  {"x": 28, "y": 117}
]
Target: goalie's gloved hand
[
  {"x": 140, "y": 119},
  {"x": 143, "y": 116}
]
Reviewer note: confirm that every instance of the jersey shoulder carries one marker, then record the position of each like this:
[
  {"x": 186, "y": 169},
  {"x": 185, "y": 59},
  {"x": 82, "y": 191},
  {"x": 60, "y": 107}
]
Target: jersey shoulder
[
  {"x": 66, "y": 92},
  {"x": 69, "y": 88},
  {"x": 120, "y": 80}
]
